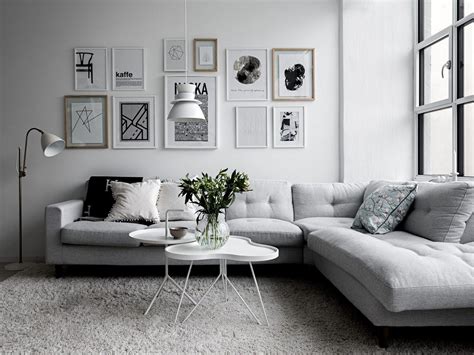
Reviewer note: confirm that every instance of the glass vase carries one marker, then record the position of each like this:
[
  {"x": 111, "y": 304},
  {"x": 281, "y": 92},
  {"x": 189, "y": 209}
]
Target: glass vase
[{"x": 212, "y": 231}]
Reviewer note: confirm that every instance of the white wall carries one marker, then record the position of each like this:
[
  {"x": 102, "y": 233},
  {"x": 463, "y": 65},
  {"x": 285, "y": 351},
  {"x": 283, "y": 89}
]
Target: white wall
[
  {"x": 377, "y": 107},
  {"x": 40, "y": 37}
]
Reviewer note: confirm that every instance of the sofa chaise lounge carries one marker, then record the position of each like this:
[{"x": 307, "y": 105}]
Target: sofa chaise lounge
[{"x": 396, "y": 279}]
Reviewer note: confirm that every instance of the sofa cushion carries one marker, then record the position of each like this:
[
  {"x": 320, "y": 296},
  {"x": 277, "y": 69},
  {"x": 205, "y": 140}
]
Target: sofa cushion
[
  {"x": 440, "y": 211},
  {"x": 468, "y": 235},
  {"x": 311, "y": 224},
  {"x": 268, "y": 231},
  {"x": 268, "y": 199},
  {"x": 327, "y": 200},
  {"x": 169, "y": 199},
  {"x": 188, "y": 224},
  {"x": 385, "y": 208},
  {"x": 376, "y": 184},
  {"x": 110, "y": 234},
  {"x": 403, "y": 271}
]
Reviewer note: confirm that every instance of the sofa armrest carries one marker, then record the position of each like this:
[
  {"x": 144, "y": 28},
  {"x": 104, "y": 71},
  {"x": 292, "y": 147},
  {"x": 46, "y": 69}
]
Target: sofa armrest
[{"x": 56, "y": 217}]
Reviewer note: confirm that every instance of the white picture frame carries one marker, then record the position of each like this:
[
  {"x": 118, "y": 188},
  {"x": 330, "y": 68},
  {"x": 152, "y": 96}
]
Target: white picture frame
[
  {"x": 128, "y": 69},
  {"x": 90, "y": 69},
  {"x": 134, "y": 122},
  {"x": 242, "y": 86},
  {"x": 178, "y": 135},
  {"x": 290, "y": 134},
  {"x": 174, "y": 54},
  {"x": 251, "y": 127}
]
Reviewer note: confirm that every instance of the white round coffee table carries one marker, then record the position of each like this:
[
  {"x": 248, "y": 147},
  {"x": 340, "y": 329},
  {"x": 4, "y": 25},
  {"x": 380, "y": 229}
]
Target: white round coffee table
[
  {"x": 157, "y": 236},
  {"x": 236, "y": 249}
]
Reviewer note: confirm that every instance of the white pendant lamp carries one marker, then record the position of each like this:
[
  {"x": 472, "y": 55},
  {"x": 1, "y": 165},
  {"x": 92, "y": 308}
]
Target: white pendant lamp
[{"x": 185, "y": 106}]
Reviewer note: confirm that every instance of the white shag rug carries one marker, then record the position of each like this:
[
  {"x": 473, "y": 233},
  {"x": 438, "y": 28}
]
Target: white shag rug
[{"x": 104, "y": 314}]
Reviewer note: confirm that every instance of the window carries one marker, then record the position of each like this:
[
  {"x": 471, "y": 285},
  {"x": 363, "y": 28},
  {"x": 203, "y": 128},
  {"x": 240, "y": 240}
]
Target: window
[{"x": 445, "y": 87}]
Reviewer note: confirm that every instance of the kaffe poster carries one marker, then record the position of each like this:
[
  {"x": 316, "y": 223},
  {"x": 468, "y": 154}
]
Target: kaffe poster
[
  {"x": 192, "y": 134},
  {"x": 128, "y": 72}
]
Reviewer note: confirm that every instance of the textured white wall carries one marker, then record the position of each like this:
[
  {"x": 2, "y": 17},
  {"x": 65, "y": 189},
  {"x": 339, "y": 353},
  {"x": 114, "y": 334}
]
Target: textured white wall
[
  {"x": 38, "y": 69},
  {"x": 377, "y": 119}
]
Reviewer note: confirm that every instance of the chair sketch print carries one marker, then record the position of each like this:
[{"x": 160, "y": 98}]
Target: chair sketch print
[{"x": 85, "y": 65}]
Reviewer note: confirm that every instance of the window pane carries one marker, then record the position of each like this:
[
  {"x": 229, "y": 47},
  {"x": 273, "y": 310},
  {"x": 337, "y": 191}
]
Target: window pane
[
  {"x": 435, "y": 87},
  {"x": 466, "y": 7},
  {"x": 466, "y": 60},
  {"x": 437, "y": 142},
  {"x": 468, "y": 139},
  {"x": 437, "y": 15}
]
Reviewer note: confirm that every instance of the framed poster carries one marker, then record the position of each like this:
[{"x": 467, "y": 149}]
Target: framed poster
[
  {"x": 247, "y": 74},
  {"x": 134, "y": 125},
  {"x": 174, "y": 54},
  {"x": 192, "y": 135},
  {"x": 205, "y": 54},
  {"x": 289, "y": 127},
  {"x": 293, "y": 74},
  {"x": 128, "y": 68},
  {"x": 90, "y": 69},
  {"x": 251, "y": 127},
  {"x": 85, "y": 121}
]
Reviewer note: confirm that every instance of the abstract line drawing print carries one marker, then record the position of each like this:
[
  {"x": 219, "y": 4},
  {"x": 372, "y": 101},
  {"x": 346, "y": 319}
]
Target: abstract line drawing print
[
  {"x": 86, "y": 123},
  {"x": 85, "y": 65},
  {"x": 176, "y": 52},
  {"x": 134, "y": 121}
]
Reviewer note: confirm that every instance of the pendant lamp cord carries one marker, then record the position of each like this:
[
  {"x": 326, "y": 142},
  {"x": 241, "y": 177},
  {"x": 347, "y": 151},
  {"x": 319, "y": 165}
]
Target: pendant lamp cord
[{"x": 186, "y": 39}]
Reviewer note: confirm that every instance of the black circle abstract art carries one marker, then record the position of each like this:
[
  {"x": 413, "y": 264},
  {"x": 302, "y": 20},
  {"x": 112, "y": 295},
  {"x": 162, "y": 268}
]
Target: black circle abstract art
[
  {"x": 294, "y": 77},
  {"x": 248, "y": 69}
]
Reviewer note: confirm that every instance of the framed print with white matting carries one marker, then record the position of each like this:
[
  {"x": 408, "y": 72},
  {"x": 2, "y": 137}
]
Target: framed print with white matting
[
  {"x": 134, "y": 122},
  {"x": 192, "y": 135},
  {"x": 90, "y": 69},
  {"x": 289, "y": 127},
  {"x": 251, "y": 127},
  {"x": 293, "y": 74},
  {"x": 128, "y": 69}
]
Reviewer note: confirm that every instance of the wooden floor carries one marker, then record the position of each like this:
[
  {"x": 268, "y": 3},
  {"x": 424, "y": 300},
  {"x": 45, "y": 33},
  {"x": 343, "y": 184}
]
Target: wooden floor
[{"x": 5, "y": 274}]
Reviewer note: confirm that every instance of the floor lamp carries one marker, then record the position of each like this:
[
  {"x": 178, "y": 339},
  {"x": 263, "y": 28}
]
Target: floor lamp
[{"x": 52, "y": 145}]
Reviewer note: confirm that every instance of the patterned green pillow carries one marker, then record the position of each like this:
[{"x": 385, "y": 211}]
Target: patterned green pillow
[{"x": 385, "y": 208}]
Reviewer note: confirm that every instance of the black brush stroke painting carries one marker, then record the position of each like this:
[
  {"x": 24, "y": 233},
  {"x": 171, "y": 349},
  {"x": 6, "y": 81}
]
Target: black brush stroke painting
[
  {"x": 294, "y": 77},
  {"x": 248, "y": 69}
]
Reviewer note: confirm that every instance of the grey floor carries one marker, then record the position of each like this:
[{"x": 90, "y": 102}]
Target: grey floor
[{"x": 5, "y": 274}]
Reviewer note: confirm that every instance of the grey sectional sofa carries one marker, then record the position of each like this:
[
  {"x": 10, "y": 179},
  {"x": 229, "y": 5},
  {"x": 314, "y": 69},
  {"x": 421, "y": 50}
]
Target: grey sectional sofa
[{"x": 396, "y": 279}]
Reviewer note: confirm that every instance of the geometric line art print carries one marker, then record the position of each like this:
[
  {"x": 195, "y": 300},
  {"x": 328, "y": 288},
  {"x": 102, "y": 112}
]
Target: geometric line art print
[
  {"x": 83, "y": 117},
  {"x": 134, "y": 121},
  {"x": 85, "y": 65}
]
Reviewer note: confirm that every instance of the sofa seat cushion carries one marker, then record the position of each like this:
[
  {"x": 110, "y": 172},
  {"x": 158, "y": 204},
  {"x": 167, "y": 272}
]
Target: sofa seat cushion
[
  {"x": 403, "y": 271},
  {"x": 311, "y": 224},
  {"x": 110, "y": 234},
  {"x": 191, "y": 225},
  {"x": 268, "y": 231}
]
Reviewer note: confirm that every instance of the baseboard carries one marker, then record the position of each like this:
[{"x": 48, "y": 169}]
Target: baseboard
[{"x": 10, "y": 259}]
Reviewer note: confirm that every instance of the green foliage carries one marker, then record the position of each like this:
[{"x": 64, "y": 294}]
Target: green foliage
[{"x": 213, "y": 194}]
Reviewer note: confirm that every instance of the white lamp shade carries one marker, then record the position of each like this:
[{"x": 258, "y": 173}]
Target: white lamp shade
[
  {"x": 52, "y": 145},
  {"x": 185, "y": 107}
]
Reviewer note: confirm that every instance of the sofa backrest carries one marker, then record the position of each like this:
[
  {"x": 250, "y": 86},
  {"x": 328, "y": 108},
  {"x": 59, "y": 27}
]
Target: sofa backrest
[
  {"x": 468, "y": 235},
  {"x": 268, "y": 199},
  {"x": 327, "y": 200}
]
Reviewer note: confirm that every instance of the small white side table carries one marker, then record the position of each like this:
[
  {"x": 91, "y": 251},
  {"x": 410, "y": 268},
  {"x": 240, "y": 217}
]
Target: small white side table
[
  {"x": 157, "y": 236},
  {"x": 236, "y": 249}
]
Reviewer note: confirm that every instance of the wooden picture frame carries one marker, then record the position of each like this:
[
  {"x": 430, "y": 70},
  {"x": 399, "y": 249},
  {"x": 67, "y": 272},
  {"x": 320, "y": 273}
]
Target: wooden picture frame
[
  {"x": 294, "y": 86},
  {"x": 86, "y": 121},
  {"x": 205, "y": 61}
]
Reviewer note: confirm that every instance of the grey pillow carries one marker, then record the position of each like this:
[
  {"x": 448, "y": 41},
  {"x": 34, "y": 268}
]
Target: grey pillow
[
  {"x": 385, "y": 208},
  {"x": 440, "y": 211}
]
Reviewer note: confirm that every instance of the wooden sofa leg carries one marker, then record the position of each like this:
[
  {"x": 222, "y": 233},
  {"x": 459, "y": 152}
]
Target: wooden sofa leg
[
  {"x": 384, "y": 336},
  {"x": 58, "y": 271}
]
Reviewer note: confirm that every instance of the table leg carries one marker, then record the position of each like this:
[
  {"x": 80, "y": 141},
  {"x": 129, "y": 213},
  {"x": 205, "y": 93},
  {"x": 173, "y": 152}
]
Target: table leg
[
  {"x": 183, "y": 293},
  {"x": 259, "y": 294},
  {"x": 242, "y": 299},
  {"x": 156, "y": 295},
  {"x": 202, "y": 298}
]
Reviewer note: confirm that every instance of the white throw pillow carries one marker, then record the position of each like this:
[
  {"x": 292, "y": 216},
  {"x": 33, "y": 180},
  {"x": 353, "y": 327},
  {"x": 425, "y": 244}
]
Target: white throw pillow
[
  {"x": 135, "y": 202},
  {"x": 170, "y": 200}
]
